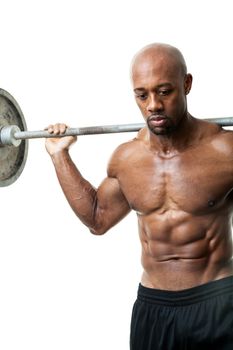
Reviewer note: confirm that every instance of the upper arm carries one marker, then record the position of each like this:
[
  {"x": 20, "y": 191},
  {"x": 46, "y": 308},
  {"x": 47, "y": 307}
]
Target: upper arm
[{"x": 110, "y": 206}]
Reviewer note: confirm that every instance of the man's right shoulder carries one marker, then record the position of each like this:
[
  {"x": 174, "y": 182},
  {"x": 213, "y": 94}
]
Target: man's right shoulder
[
  {"x": 126, "y": 150},
  {"x": 123, "y": 155}
]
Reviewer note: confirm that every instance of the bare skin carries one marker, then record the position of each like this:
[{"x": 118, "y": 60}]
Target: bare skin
[{"x": 177, "y": 174}]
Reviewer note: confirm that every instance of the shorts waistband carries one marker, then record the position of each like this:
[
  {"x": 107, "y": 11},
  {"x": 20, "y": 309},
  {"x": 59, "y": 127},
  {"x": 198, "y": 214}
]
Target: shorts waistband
[{"x": 186, "y": 296}]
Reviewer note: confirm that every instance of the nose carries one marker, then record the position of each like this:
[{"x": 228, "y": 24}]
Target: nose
[{"x": 154, "y": 104}]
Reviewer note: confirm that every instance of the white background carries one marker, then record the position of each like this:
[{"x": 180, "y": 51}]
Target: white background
[{"x": 60, "y": 287}]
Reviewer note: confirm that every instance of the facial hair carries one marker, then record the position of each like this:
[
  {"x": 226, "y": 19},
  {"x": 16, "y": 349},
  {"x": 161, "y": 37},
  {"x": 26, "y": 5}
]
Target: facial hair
[{"x": 165, "y": 129}]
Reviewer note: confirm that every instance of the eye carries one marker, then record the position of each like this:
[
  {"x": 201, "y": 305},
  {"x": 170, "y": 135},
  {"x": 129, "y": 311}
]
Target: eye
[
  {"x": 141, "y": 96},
  {"x": 164, "y": 92}
]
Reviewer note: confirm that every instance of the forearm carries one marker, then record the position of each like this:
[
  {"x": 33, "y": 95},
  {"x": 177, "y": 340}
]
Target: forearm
[
  {"x": 99, "y": 209},
  {"x": 80, "y": 194}
]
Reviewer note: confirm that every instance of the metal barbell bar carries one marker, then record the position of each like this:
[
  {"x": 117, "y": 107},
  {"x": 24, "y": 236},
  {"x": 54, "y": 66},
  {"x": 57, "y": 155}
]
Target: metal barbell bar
[{"x": 12, "y": 135}]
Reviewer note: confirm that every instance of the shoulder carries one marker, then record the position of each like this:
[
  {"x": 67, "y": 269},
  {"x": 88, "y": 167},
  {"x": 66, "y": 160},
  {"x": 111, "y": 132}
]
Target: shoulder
[
  {"x": 207, "y": 127},
  {"x": 223, "y": 141},
  {"x": 125, "y": 153},
  {"x": 207, "y": 130},
  {"x": 217, "y": 137},
  {"x": 130, "y": 148}
]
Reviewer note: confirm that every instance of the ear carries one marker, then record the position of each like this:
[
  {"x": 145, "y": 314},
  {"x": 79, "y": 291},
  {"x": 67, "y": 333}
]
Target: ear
[{"x": 188, "y": 83}]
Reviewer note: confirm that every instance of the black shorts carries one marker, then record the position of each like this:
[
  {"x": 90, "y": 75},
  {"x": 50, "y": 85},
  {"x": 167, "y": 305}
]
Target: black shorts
[{"x": 196, "y": 318}]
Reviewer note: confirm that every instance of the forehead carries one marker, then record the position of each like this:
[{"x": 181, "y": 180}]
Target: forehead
[{"x": 155, "y": 70}]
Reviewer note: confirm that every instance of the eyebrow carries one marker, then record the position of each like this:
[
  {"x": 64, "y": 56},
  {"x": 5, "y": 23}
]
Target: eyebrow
[{"x": 157, "y": 87}]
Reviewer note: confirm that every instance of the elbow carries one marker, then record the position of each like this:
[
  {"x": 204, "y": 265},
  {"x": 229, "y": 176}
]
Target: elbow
[
  {"x": 98, "y": 231},
  {"x": 99, "y": 226}
]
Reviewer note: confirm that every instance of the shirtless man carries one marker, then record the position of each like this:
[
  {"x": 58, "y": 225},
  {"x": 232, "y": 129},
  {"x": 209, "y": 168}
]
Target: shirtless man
[{"x": 177, "y": 175}]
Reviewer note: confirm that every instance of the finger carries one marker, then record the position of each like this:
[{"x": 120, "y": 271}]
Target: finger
[
  {"x": 57, "y": 129},
  {"x": 63, "y": 128},
  {"x": 49, "y": 128}
]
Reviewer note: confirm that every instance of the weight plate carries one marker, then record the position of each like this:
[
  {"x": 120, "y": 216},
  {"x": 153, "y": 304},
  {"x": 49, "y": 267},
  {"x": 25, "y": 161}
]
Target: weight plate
[{"x": 12, "y": 159}]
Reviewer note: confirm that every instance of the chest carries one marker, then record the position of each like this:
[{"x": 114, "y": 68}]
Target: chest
[{"x": 189, "y": 182}]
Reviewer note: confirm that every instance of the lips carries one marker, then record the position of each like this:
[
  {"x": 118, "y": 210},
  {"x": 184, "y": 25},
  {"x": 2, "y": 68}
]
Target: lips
[{"x": 157, "y": 120}]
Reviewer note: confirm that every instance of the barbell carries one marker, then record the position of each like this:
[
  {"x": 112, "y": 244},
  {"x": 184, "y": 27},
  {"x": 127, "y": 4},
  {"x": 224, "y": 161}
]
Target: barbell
[{"x": 14, "y": 136}]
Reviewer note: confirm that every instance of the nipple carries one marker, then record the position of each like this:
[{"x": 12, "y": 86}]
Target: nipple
[{"x": 211, "y": 203}]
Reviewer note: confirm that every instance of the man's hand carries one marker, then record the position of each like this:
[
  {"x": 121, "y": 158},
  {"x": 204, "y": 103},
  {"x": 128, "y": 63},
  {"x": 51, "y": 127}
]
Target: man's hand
[{"x": 56, "y": 145}]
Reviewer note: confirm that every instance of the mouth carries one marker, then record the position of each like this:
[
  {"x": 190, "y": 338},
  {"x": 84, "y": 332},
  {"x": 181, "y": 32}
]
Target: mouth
[{"x": 157, "y": 120}]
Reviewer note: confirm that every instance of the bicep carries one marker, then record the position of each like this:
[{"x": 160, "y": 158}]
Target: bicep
[{"x": 111, "y": 205}]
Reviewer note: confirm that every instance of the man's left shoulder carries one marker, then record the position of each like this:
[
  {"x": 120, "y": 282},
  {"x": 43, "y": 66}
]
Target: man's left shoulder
[
  {"x": 223, "y": 141},
  {"x": 214, "y": 131},
  {"x": 225, "y": 135}
]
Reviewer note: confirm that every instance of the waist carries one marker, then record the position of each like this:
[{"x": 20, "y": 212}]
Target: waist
[
  {"x": 186, "y": 296},
  {"x": 178, "y": 274}
]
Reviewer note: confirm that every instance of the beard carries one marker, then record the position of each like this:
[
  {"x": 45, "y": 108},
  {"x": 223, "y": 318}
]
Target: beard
[{"x": 166, "y": 128}]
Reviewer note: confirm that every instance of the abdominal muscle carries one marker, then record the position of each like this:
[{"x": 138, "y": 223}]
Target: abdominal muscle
[{"x": 180, "y": 251}]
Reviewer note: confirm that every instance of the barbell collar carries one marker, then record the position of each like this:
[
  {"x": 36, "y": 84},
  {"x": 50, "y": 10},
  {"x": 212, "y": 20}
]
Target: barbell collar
[{"x": 7, "y": 135}]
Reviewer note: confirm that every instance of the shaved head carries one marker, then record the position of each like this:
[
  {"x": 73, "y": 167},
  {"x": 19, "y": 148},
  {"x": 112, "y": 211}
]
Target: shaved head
[
  {"x": 164, "y": 53},
  {"x": 161, "y": 83}
]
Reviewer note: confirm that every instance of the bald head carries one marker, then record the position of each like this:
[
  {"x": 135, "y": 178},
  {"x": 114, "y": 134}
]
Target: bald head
[
  {"x": 161, "y": 83},
  {"x": 162, "y": 53}
]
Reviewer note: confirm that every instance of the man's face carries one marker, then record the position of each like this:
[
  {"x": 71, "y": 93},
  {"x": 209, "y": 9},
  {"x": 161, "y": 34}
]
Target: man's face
[{"x": 160, "y": 90}]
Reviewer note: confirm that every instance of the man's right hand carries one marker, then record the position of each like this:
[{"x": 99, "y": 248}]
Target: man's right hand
[{"x": 58, "y": 144}]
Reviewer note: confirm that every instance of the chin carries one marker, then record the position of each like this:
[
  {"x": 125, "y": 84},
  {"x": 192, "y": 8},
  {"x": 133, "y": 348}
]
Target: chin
[{"x": 161, "y": 131}]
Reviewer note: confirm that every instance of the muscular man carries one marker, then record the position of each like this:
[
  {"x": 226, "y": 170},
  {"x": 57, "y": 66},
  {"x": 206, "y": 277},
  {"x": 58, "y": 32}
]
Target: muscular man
[{"x": 177, "y": 175}]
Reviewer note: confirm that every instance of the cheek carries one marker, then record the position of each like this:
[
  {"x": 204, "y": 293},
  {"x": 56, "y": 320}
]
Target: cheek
[
  {"x": 177, "y": 103},
  {"x": 141, "y": 106}
]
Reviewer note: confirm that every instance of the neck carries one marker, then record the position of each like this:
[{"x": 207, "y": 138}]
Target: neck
[{"x": 178, "y": 140}]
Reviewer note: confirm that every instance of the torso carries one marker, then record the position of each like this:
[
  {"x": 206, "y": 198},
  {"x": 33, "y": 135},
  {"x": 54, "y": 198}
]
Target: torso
[{"x": 184, "y": 207}]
